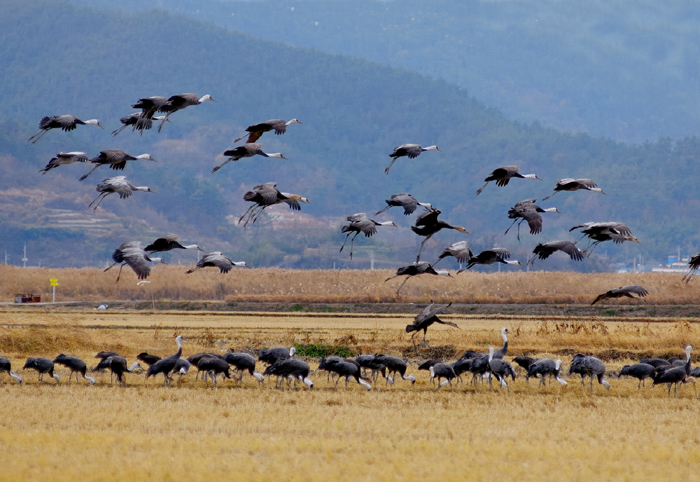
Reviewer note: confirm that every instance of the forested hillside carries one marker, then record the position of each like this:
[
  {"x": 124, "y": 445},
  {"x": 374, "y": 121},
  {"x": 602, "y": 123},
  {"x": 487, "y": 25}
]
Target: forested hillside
[
  {"x": 628, "y": 69},
  {"x": 58, "y": 58}
]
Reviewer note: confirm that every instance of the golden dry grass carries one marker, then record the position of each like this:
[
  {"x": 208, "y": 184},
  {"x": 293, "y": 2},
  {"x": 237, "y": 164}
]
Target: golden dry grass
[
  {"x": 404, "y": 432},
  {"x": 346, "y": 286}
]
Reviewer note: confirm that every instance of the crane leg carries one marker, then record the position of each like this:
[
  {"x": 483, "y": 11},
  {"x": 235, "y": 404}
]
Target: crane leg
[
  {"x": 82, "y": 178},
  {"x": 163, "y": 122},
  {"x": 521, "y": 222},
  {"x": 346, "y": 240},
  {"x": 511, "y": 225},
  {"x": 101, "y": 198},
  {"x": 38, "y": 135},
  {"x": 386, "y": 170},
  {"x": 425, "y": 343},
  {"x": 117, "y": 131},
  {"x": 404, "y": 282},
  {"x": 245, "y": 213},
  {"x": 545, "y": 198},
  {"x": 120, "y": 272},
  {"x": 352, "y": 243},
  {"x": 421, "y": 247},
  {"x": 478, "y": 191}
]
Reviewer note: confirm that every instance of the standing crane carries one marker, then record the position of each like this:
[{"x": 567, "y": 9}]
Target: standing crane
[
  {"x": 179, "y": 102},
  {"x": 118, "y": 366},
  {"x": 544, "y": 367},
  {"x": 42, "y": 366},
  {"x": 675, "y": 375},
  {"x": 116, "y": 159},
  {"x": 63, "y": 158},
  {"x": 119, "y": 185},
  {"x": 406, "y": 201},
  {"x": 63, "y": 122},
  {"x": 409, "y": 150},
  {"x": 590, "y": 366},
  {"x": 266, "y": 195},
  {"x": 360, "y": 223},
  {"x": 528, "y": 211},
  {"x": 76, "y": 366},
  {"x": 428, "y": 224},
  {"x": 640, "y": 371},
  {"x": 167, "y": 364},
  {"x": 425, "y": 319},
  {"x": 218, "y": 260},
  {"x": 415, "y": 269},
  {"x": 571, "y": 185},
  {"x": 243, "y": 362},
  {"x": 442, "y": 370},
  {"x": 501, "y": 369},
  {"x": 6, "y": 366},
  {"x": 246, "y": 150},
  {"x": 257, "y": 130},
  {"x": 503, "y": 175}
]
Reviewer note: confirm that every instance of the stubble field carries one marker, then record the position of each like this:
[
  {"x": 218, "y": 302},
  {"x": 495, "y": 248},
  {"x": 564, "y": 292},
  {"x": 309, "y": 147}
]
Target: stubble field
[{"x": 404, "y": 432}]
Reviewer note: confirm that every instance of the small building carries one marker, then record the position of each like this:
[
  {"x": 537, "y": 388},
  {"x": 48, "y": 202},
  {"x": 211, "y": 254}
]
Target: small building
[{"x": 27, "y": 298}]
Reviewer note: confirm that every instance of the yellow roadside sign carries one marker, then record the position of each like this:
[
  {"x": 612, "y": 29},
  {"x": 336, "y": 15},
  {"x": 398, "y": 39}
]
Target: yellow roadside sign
[{"x": 54, "y": 281}]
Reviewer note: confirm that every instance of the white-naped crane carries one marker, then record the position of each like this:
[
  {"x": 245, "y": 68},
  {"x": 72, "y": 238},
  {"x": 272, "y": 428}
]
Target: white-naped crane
[
  {"x": 693, "y": 266},
  {"x": 6, "y": 366},
  {"x": 138, "y": 122},
  {"x": 417, "y": 269},
  {"x": 527, "y": 210},
  {"x": 545, "y": 250},
  {"x": 63, "y": 158},
  {"x": 501, "y": 369},
  {"x": 168, "y": 243},
  {"x": 118, "y": 366},
  {"x": 265, "y": 195},
  {"x": 291, "y": 369},
  {"x": 63, "y": 122},
  {"x": 394, "y": 365},
  {"x": 42, "y": 366},
  {"x": 428, "y": 224},
  {"x": 675, "y": 375},
  {"x": 571, "y": 185},
  {"x": 243, "y": 362},
  {"x": 212, "y": 367},
  {"x": 360, "y": 223},
  {"x": 459, "y": 250},
  {"x": 247, "y": 150},
  {"x": 179, "y": 102},
  {"x": 597, "y": 233},
  {"x": 345, "y": 368},
  {"x": 166, "y": 365},
  {"x": 115, "y": 185},
  {"x": 116, "y": 159},
  {"x": 149, "y": 106},
  {"x": 132, "y": 254},
  {"x": 273, "y": 355},
  {"x": 218, "y": 260},
  {"x": 545, "y": 367},
  {"x": 255, "y": 131},
  {"x": 489, "y": 257},
  {"x": 589, "y": 366},
  {"x": 503, "y": 175},
  {"x": 631, "y": 291},
  {"x": 440, "y": 371},
  {"x": 197, "y": 357},
  {"x": 75, "y": 365},
  {"x": 640, "y": 371},
  {"x": 406, "y": 201},
  {"x": 409, "y": 150},
  {"x": 425, "y": 319}
]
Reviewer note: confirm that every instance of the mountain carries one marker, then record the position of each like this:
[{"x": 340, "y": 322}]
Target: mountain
[
  {"x": 59, "y": 58},
  {"x": 629, "y": 70}
]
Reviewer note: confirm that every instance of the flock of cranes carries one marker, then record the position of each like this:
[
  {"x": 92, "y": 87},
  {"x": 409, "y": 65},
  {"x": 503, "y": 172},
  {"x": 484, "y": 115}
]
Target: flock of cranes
[{"x": 364, "y": 369}]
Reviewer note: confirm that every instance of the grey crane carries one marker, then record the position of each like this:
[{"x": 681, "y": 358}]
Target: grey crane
[
  {"x": 102, "y": 355},
  {"x": 247, "y": 150},
  {"x": 460, "y": 366},
  {"x": 693, "y": 266},
  {"x": 501, "y": 369},
  {"x": 460, "y": 250},
  {"x": 597, "y": 233},
  {"x": 426, "y": 366},
  {"x": 42, "y": 366},
  {"x": 213, "y": 366},
  {"x": 118, "y": 366},
  {"x": 571, "y": 185},
  {"x": 6, "y": 366},
  {"x": 480, "y": 361},
  {"x": 147, "y": 358},
  {"x": 243, "y": 362},
  {"x": 416, "y": 269},
  {"x": 631, "y": 291},
  {"x": 119, "y": 185},
  {"x": 197, "y": 357},
  {"x": 75, "y": 365},
  {"x": 501, "y": 352},
  {"x": 116, "y": 159},
  {"x": 132, "y": 254},
  {"x": 291, "y": 369},
  {"x": 179, "y": 102},
  {"x": 489, "y": 257},
  {"x": 182, "y": 367},
  {"x": 655, "y": 362},
  {"x": 273, "y": 355},
  {"x": 543, "y": 367},
  {"x": 545, "y": 250},
  {"x": 406, "y": 201},
  {"x": 440, "y": 371},
  {"x": 265, "y": 195},
  {"x": 166, "y": 365},
  {"x": 149, "y": 106},
  {"x": 394, "y": 365},
  {"x": 168, "y": 243},
  {"x": 325, "y": 364},
  {"x": 409, "y": 150},
  {"x": 63, "y": 122},
  {"x": 370, "y": 362},
  {"x": 137, "y": 121},
  {"x": 524, "y": 362},
  {"x": 345, "y": 368},
  {"x": 528, "y": 211},
  {"x": 428, "y": 224},
  {"x": 218, "y": 260},
  {"x": 675, "y": 375},
  {"x": 257, "y": 130},
  {"x": 592, "y": 367},
  {"x": 425, "y": 319},
  {"x": 360, "y": 223},
  {"x": 640, "y": 371},
  {"x": 63, "y": 158},
  {"x": 503, "y": 175}
]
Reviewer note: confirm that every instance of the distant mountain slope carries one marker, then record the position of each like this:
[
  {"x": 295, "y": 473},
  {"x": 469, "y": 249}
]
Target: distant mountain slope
[
  {"x": 59, "y": 58},
  {"x": 629, "y": 70}
]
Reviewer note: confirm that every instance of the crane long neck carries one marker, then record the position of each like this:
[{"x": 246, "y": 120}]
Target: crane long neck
[{"x": 16, "y": 377}]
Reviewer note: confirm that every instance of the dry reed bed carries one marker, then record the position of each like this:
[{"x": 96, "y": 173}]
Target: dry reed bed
[
  {"x": 79, "y": 432},
  {"x": 341, "y": 286}
]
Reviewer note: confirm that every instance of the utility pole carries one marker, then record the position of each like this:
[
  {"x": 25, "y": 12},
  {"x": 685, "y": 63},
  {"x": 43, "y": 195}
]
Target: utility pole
[{"x": 24, "y": 259}]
